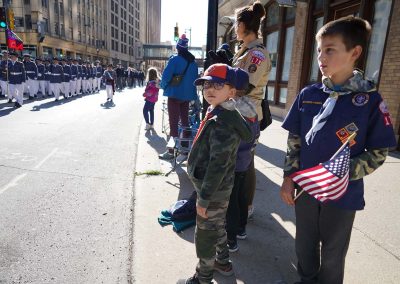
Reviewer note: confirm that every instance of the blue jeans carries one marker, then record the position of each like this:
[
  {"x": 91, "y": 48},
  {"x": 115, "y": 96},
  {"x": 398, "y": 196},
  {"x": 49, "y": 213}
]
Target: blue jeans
[{"x": 148, "y": 110}]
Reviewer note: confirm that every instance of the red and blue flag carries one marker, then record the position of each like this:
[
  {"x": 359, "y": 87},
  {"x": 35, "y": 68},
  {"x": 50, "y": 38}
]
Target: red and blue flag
[{"x": 329, "y": 180}]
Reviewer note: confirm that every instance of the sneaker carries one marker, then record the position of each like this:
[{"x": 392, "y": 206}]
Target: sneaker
[
  {"x": 147, "y": 127},
  {"x": 151, "y": 126},
  {"x": 241, "y": 235},
  {"x": 233, "y": 246},
  {"x": 9, "y": 101},
  {"x": 224, "y": 269},
  {"x": 166, "y": 156},
  {"x": 17, "y": 105}
]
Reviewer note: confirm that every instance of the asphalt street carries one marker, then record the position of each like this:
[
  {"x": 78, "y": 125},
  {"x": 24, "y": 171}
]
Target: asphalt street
[{"x": 66, "y": 189}]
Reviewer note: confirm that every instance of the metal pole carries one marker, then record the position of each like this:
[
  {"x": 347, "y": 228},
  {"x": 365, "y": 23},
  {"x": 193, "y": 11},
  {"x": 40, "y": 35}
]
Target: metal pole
[{"x": 211, "y": 38}]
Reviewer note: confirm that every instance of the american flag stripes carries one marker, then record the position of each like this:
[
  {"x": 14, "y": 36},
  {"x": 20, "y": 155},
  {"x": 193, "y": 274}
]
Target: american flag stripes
[{"x": 329, "y": 180}]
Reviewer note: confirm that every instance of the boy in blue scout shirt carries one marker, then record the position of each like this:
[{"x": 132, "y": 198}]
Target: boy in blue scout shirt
[
  {"x": 211, "y": 167},
  {"x": 320, "y": 120}
]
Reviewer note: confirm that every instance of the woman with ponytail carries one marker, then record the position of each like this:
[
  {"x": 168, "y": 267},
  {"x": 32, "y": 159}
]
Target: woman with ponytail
[{"x": 252, "y": 57}]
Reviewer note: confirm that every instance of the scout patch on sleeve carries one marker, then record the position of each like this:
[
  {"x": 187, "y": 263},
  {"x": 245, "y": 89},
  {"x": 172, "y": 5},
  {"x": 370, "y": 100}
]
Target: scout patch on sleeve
[
  {"x": 344, "y": 133},
  {"x": 257, "y": 57},
  {"x": 385, "y": 112},
  {"x": 360, "y": 99},
  {"x": 252, "y": 68}
]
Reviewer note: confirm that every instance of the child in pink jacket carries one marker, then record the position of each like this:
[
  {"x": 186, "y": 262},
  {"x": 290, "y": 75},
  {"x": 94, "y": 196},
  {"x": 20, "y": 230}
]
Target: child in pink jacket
[{"x": 151, "y": 96}]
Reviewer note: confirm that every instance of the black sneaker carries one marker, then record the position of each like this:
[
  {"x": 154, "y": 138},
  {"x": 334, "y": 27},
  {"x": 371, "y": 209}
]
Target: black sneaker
[
  {"x": 241, "y": 235},
  {"x": 9, "y": 101},
  {"x": 233, "y": 246},
  {"x": 224, "y": 269},
  {"x": 17, "y": 105}
]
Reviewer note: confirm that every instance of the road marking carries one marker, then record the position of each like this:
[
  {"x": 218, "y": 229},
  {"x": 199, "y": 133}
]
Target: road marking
[
  {"x": 46, "y": 158},
  {"x": 12, "y": 183},
  {"x": 15, "y": 180}
]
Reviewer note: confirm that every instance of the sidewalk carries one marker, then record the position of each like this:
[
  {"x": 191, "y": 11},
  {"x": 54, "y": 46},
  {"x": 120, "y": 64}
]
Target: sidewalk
[{"x": 267, "y": 255}]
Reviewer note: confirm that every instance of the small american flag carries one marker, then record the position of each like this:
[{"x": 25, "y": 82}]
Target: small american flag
[{"x": 329, "y": 180}]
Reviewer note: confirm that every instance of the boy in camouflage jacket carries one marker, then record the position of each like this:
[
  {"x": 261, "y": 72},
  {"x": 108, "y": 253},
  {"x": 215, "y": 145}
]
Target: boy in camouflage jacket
[{"x": 211, "y": 167}]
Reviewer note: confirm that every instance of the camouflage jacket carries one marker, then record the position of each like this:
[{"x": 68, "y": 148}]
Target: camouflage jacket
[{"x": 212, "y": 160}]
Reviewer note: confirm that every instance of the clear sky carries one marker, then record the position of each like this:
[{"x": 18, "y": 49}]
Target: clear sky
[{"x": 188, "y": 14}]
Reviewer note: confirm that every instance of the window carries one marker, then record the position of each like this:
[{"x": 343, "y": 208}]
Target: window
[
  {"x": 279, "y": 34},
  {"x": 56, "y": 29},
  {"x": 46, "y": 25},
  {"x": 376, "y": 12},
  {"x": 45, "y": 3},
  {"x": 19, "y": 22},
  {"x": 378, "y": 38},
  {"x": 28, "y": 22},
  {"x": 313, "y": 77},
  {"x": 27, "y": 2}
]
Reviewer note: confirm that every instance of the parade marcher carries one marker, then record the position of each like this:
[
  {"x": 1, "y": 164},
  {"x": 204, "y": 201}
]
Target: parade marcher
[
  {"x": 56, "y": 78},
  {"x": 211, "y": 167},
  {"x": 79, "y": 88},
  {"x": 109, "y": 78},
  {"x": 141, "y": 78},
  {"x": 120, "y": 73},
  {"x": 84, "y": 78},
  {"x": 91, "y": 77},
  {"x": 99, "y": 74},
  {"x": 4, "y": 76},
  {"x": 254, "y": 58},
  {"x": 66, "y": 78},
  {"x": 47, "y": 76},
  {"x": 179, "y": 95},
  {"x": 31, "y": 83},
  {"x": 324, "y": 117},
  {"x": 41, "y": 76},
  {"x": 16, "y": 79},
  {"x": 74, "y": 77}
]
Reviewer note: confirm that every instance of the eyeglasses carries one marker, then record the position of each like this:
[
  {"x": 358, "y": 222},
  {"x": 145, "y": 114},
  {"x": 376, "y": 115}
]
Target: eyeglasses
[{"x": 215, "y": 85}]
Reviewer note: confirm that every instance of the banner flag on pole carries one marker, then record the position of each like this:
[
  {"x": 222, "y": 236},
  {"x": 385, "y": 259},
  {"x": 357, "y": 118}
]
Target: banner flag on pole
[
  {"x": 13, "y": 41},
  {"x": 329, "y": 180}
]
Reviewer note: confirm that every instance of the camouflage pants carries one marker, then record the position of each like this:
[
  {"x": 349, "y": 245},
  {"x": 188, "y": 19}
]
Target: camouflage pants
[{"x": 211, "y": 241}]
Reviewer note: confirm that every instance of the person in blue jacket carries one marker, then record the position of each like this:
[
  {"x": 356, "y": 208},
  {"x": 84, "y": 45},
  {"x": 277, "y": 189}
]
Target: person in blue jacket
[
  {"x": 16, "y": 79},
  {"x": 322, "y": 118},
  {"x": 67, "y": 78},
  {"x": 56, "y": 78},
  {"x": 179, "y": 96},
  {"x": 74, "y": 77},
  {"x": 31, "y": 83},
  {"x": 79, "y": 78},
  {"x": 41, "y": 76},
  {"x": 3, "y": 75}
]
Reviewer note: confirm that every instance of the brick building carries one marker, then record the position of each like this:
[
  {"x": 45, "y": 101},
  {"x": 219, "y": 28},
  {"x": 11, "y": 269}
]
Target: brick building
[
  {"x": 109, "y": 30},
  {"x": 289, "y": 33}
]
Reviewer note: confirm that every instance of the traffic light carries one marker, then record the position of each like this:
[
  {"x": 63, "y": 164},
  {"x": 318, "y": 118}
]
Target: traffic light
[
  {"x": 176, "y": 32},
  {"x": 10, "y": 15},
  {"x": 3, "y": 18}
]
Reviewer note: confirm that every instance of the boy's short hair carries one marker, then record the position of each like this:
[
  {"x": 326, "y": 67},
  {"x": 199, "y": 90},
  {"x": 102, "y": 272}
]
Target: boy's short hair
[{"x": 354, "y": 31}]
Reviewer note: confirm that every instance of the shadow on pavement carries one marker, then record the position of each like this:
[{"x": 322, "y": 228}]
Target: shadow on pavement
[
  {"x": 157, "y": 142},
  {"x": 52, "y": 103},
  {"x": 6, "y": 111},
  {"x": 271, "y": 155}
]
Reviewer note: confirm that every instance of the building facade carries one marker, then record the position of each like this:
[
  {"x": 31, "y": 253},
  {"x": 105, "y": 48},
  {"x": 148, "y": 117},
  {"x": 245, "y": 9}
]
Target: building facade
[
  {"x": 289, "y": 35},
  {"x": 110, "y": 30}
]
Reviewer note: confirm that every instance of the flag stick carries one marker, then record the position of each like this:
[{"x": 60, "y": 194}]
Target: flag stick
[{"x": 351, "y": 137}]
